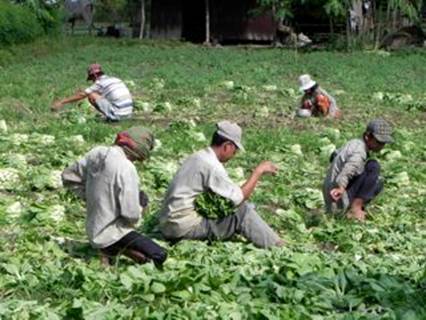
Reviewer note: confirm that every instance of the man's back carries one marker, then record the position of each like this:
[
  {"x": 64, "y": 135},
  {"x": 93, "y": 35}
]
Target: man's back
[
  {"x": 111, "y": 187},
  {"x": 116, "y": 92}
]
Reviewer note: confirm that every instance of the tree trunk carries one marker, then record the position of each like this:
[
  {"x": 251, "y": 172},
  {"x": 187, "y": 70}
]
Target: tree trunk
[
  {"x": 379, "y": 26},
  {"x": 348, "y": 33},
  {"x": 142, "y": 27},
  {"x": 207, "y": 40}
]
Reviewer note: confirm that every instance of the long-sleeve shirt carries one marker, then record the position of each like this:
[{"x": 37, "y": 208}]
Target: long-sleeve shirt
[
  {"x": 199, "y": 173},
  {"x": 110, "y": 185},
  {"x": 347, "y": 164}
]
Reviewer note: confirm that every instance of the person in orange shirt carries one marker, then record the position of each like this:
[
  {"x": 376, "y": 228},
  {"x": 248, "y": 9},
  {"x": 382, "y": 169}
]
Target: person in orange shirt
[{"x": 316, "y": 101}]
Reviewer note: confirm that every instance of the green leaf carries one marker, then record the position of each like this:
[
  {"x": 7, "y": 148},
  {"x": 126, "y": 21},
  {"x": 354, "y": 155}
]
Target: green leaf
[
  {"x": 126, "y": 281},
  {"x": 157, "y": 287}
]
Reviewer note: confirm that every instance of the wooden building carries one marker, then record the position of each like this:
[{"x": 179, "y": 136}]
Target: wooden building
[{"x": 226, "y": 21}]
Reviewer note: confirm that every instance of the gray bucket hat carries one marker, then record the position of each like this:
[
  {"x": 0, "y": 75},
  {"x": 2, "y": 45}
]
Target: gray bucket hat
[
  {"x": 231, "y": 131},
  {"x": 381, "y": 130}
]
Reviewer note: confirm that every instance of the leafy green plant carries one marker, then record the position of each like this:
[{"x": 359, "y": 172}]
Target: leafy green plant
[{"x": 212, "y": 206}]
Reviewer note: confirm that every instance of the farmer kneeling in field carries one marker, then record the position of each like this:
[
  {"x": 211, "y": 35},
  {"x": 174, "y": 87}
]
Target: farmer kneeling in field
[
  {"x": 316, "y": 101},
  {"x": 109, "y": 95},
  {"x": 107, "y": 179},
  {"x": 203, "y": 173},
  {"x": 352, "y": 180}
]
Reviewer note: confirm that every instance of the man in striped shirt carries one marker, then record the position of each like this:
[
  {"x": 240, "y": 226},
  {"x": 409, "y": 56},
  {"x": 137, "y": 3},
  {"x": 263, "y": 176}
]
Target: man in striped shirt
[{"x": 108, "y": 95}]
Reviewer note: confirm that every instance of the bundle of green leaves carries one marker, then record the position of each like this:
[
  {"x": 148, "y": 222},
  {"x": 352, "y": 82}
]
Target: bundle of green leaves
[{"x": 213, "y": 206}]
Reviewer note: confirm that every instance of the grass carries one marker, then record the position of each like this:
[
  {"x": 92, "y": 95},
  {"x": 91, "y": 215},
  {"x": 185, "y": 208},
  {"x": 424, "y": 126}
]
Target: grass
[{"x": 331, "y": 269}]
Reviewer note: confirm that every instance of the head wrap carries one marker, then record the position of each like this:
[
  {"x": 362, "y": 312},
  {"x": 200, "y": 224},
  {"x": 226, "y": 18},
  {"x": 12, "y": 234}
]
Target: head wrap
[{"x": 136, "y": 142}]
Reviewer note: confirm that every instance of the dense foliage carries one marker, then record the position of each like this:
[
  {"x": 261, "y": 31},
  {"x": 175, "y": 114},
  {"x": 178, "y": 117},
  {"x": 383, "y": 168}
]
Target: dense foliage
[
  {"x": 25, "y": 20},
  {"x": 17, "y": 24},
  {"x": 331, "y": 268}
]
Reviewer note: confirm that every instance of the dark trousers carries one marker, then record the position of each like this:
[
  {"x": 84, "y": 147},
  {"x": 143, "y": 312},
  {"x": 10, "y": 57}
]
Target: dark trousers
[
  {"x": 137, "y": 242},
  {"x": 367, "y": 185}
]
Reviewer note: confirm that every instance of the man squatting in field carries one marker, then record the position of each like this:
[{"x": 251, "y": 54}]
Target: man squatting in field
[
  {"x": 109, "y": 95},
  {"x": 352, "y": 180},
  {"x": 204, "y": 172},
  {"x": 107, "y": 179},
  {"x": 316, "y": 101}
]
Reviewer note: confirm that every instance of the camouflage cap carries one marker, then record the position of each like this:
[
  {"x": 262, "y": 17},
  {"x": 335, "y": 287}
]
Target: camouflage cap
[
  {"x": 381, "y": 130},
  {"x": 136, "y": 142},
  {"x": 144, "y": 141}
]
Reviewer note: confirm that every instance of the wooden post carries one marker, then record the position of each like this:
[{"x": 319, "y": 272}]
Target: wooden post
[
  {"x": 142, "y": 27},
  {"x": 207, "y": 10}
]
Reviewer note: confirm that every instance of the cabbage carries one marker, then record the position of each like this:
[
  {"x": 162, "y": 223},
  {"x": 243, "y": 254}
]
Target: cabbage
[
  {"x": 57, "y": 212},
  {"x": 378, "y": 96},
  {"x": 228, "y": 84},
  {"x": 157, "y": 144},
  {"x": 263, "y": 112},
  {"x": 393, "y": 155},
  {"x": 9, "y": 179},
  {"x": 130, "y": 83},
  {"x": 400, "y": 179},
  {"x": 15, "y": 209},
  {"x": 18, "y": 138},
  {"x": 199, "y": 136},
  {"x": 196, "y": 102},
  {"x": 270, "y": 88},
  {"x": 327, "y": 150},
  {"x": 43, "y": 139},
  {"x": 3, "y": 126},
  {"x": 77, "y": 139},
  {"x": 55, "y": 179},
  {"x": 296, "y": 149},
  {"x": 158, "y": 83}
]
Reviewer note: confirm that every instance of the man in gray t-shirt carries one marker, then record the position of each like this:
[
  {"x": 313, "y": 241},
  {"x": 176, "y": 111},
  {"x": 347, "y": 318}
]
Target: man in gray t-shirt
[{"x": 204, "y": 172}]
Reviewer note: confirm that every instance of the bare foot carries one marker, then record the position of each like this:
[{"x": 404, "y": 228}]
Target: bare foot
[
  {"x": 280, "y": 243},
  {"x": 105, "y": 261},
  {"x": 357, "y": 215}
]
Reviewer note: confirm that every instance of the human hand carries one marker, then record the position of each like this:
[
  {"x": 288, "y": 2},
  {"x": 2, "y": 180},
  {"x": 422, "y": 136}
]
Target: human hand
[
  {"x": 56, "y": 106},
  {"x": 143, "y": 199},
  {"x": 307, "y": 104},
  {"x": 336, "y": 193},
  {"x": 266, "y": 167}
]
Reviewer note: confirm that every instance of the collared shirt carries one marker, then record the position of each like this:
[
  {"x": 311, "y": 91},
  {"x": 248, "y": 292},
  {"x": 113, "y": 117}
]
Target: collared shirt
[
  {"x": 116, "y": 92},
  {"x": 348, "y": 163},
  {"x": 111, "y": 189},
  {"x": 201, "y": 172}
]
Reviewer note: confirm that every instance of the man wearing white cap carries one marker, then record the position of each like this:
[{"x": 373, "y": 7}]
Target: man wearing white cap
[
  {"x": 204, "y": 172},
  {"x": 352, "y": 180},
  {"x": 109, "y": 95},
  {"x": 315, "y": 101}
]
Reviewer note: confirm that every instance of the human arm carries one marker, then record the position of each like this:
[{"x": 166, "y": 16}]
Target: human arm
[
  {"x": 306, "y": 103},
  {"x": 128, "y": 196},
  {"x": 74, "y": 178},
  {"x": 264, "y": 167},
  {"x": 353, "y": 166},
  {"x": 58, "y": 104}
]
